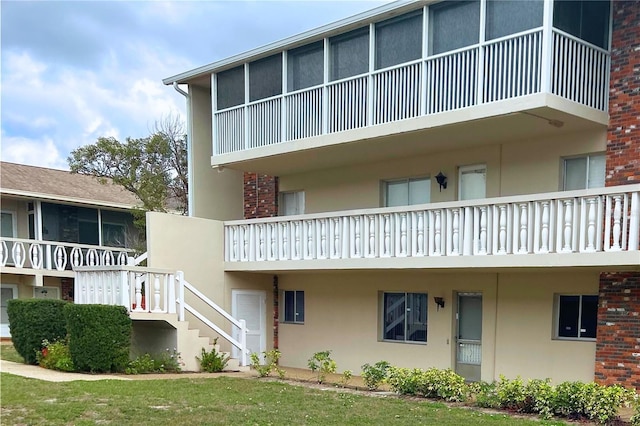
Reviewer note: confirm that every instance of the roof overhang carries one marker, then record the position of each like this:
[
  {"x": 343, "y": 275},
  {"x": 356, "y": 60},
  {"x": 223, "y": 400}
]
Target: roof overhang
[{"x": 57, "y": 198}]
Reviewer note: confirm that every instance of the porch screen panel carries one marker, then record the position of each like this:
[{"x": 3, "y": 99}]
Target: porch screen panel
[
  {"x": 399, "y": 40},
  {"x": 118, "y": 229},
  {"x": 265, "y": 78},
  {"x": 88, "y": 226},
  {"x": 587, "y": 19},
  {"x": 506, "y": 17},
  {"x": 349, "y": 54},
  {"x": 7, "y": 225},
  {"x": 230, "y": 88},
  {"x": 454, "y": 25},
  {"x": 305, "y": 66}
]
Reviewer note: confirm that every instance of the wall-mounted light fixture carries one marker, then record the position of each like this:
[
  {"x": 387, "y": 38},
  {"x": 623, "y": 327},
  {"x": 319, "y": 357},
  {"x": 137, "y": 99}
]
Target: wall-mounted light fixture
[
  {"x": 439, "y": 301},
  {"x": 44, "y": 291},
  {"x": 442, "y": 181}
]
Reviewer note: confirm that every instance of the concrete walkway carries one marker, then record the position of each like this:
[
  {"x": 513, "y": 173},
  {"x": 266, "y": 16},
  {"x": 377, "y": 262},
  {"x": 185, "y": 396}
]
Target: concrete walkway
[{"x": 36, "y": 372}]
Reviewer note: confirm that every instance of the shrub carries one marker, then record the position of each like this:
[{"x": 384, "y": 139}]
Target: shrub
[
  {"x": 271, "y": 363},
  {"x": 31, "y": 321},
  {"x": 511, "y": 394},
  {"x": 99, "y": 337},
  {"x": 485, "y": 394},
  {"x": 322, "y": 364},
  {"x": 405, "y": 381},
  {"x": 213, "y": 361},
  {"x": 55, "y": 356},
  {"x": 346, "y": 378},
  {"x": 374, "y": 375},
  {"x": 166, "y": 362}
]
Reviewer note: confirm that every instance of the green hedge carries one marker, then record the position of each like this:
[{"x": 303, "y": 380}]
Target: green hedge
[
  {"x": 33, "y": 320},
  {"x": 99, "y": 337}
]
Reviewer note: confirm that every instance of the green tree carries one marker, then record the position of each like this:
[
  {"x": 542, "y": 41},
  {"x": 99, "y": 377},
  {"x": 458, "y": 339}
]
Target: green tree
[{"x": 153, "y": 168}]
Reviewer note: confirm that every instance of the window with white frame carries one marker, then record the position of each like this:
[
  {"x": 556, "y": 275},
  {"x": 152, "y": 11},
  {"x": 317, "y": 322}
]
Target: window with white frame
[
  {"x": 584, "y": 172},
  {"x": 576, "y": 316},
  {"x": 293, "y": 302},
  {"x": 291, "y": 203},
  {"x": 404, "y": 317},
  {"x": 405, "y": 192},
  {"x": 8, "y": 224}
]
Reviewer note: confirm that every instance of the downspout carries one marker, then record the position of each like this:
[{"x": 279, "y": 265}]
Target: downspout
[{"x": 189, "y": 149}]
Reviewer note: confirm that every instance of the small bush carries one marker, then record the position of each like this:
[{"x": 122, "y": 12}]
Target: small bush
[
  {"x": 166, "y": 362},
  {"x": 55, "y": 356},
  {"x": 404, "y": 380},
  {"x": 345, "y": 378},
  {"x": 485, "y": 394},
  {"x": 432, "y": 383},
  {"x": 31, "y": 321},
  {"x": 213, "y": 361},
  {"x": 271, "y": 363},
  {"x": 99, "y": 337},
  {"x": 374, "y": 375},
  {"x": 322, "y": 364}
]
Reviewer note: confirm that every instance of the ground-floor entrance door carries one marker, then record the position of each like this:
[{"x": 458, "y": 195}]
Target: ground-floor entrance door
[
  {"x": 7, "y": 292},
  {"x": 251, "y": 305},
  {"x": 469, "y": 336}
]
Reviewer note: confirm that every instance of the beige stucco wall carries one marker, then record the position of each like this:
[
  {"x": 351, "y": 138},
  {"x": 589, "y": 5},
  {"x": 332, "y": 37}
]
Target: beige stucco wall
[
  {"x": 341, "y": 314},
  {"x": 20, "y": 215},
  {"x": 519, "y": 167},
  {"x": 27, "y": 283},
  {"x": 217, "y": 194},
  {"x": 195, "y": 246}
]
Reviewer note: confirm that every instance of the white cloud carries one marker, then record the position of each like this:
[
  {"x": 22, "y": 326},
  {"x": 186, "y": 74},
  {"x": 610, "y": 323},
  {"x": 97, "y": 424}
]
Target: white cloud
[{"x": 37, "y": 152}]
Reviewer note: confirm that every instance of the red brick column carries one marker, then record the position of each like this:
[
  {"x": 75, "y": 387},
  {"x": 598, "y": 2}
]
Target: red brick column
[
  {"x": 618, "y": 335},
  {"x": 260, "y": 195},
  {"x": 623, "y": 145}
]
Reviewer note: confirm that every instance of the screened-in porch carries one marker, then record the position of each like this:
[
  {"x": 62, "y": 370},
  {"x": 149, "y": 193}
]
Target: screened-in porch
[{"x": 439, "y": 57}]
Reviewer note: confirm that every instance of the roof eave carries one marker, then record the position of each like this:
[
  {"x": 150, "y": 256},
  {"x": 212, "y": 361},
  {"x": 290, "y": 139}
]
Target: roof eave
[
  {"x": 396, "y": 7},
  {"x": 60, "y": 198}
]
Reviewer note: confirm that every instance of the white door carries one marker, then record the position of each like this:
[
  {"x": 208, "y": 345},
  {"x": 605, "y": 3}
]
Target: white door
[
  {"x": 7, "y": 292},
  {"x": 469, "y": 336},
  {"x": 251, "y": 306},
  {"x": 473, "y": 182}
]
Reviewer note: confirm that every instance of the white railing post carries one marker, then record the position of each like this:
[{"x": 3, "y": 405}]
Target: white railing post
[
  {"x": 156, "y": 292},
  {"x": 243, "y": 343},
  {"x": 634, "y": 222},
  {"x": 547, "y": 46},
  {"x": 125, "y": 290},
  {"x": 180, "y": 281},
  {"x": 138, "y": 290}
]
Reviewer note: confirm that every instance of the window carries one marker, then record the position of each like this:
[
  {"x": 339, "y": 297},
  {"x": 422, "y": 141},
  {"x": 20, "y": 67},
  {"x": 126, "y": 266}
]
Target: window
[
  {"x": 506, "y": 17},
  {"x": 349, "y": 54},
  {"x": 265, "y": 78},
  {"x": 305, "y": 66},
  {"x": 584, "y": 172},
  {"x": 117, "y": 228},
  {"x": 576, "y": 316},
  {"x": 7, "y": 225},
  {"x": 404, "y": 192},
  {"x": 585, "y": 19},
  {"x": 454, "y": 25},
  {"x": 473, "y": 182},
  {"x": 404, "y": 317},
  {"x": 230, "y": 88},
  {"x": 399, "y": 40},
  {"x": 291, "y": 203},
  {"x": 293, "y": 306}
]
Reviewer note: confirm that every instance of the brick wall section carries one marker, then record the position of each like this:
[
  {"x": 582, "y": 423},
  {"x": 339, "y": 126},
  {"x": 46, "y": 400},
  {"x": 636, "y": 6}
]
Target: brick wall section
[
  {"x": 618, "y": 342},
  {"x": 623, "y": 137},
  {"x": 618, "y": 335},
  {"x": 260, "y": 195}
]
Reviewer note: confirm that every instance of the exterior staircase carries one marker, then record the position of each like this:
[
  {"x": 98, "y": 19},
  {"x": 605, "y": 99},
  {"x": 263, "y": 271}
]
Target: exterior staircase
[{"x": 156, "y": 303}]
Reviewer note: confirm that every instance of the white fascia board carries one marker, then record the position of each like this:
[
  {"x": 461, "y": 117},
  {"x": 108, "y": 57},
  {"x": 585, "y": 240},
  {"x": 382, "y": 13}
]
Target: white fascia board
[
  {"x": 393, "y": 8},
  {"x": 73, "y": 200}
]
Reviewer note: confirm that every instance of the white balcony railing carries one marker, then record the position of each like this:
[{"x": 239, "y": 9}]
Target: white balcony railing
[
  {"x": 500, "y": 69},
  {"x": 58, "y": 256},
  {"x": 605, "y": 219},
  {"x": 153, "y": 291}
]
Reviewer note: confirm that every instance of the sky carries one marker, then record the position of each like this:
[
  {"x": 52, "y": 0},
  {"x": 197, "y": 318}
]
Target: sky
[{"x": 74, "y": 71}]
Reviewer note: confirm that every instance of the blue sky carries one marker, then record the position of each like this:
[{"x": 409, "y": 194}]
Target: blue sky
[{"x": 73, "y": 71}]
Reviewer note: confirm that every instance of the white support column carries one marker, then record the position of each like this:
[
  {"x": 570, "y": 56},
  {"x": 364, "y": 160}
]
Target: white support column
[
  {"x": 372, "y": 54},
  {"x": 325, "y": 90},
  {"x": 481, "y": 39},
  {"x": 634, "y": 221},
  {"x": 547, "y": 46},
  {"x": 284, "y": 121},
  {"x": 425, "y": 52},
  {"x": 214, "y": 123},
  {"x": 246, "y": 107}
]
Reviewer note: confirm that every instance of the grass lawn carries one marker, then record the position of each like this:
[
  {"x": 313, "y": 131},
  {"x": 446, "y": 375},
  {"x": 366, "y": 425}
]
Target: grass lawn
[
  {"x": 222, "y": 400},
  {"x": 8, "y": 353}
]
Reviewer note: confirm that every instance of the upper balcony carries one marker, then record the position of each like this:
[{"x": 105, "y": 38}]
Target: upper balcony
[
  {"x": 428, "y": 71},
  {"x": 597, "y": 228}
]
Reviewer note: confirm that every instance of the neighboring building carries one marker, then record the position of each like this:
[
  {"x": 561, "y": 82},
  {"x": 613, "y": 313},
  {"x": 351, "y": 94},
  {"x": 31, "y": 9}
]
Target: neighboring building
[
  {"x": 447, "y": 184},
  {"x": 53, "y": 220}
]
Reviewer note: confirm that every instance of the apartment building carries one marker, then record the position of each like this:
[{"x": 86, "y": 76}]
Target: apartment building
[
  {"x": 449, "y": 184},
  {"x": 52, "y": 221}
]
